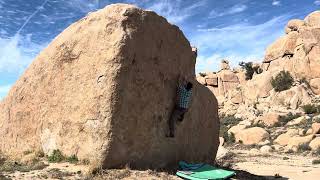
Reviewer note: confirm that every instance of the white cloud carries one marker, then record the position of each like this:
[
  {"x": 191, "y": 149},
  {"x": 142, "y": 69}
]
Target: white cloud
[
  {"x": 16, "y": 53},
  {"x": 84, "y": 5},
  {"x": 174, "y": 11},
  {"x": 239, "y": 42},
  {"x": 317, "y": 2},
  {"x": 238, "y": 8},
  {"x": 276, "y": 3}
]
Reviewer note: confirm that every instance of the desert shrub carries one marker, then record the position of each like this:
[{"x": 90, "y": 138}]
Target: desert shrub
[
  {"x": 249, "y": 69},
  {"x": 85, "y": 161},
  {"x": 27, "y": 152},
  {"x": 311, "y": 109},
  {"x": 285, "y": 158},
  {"x": 39, "y": 153},
  {"x": 316, "y": 152},
  {"x": 282, "y": 81},
  {"x": 56, "y": 156},
  {"x": 316, "y": 161},
  {"x": 229, "y": 138},
  {"x": 225, "y": 123},
  {"x": 303, "y": 148},
  {"x": 72, "y": 159},
  {"x": 230, "y": 120},
  {"x": 285, "y": 119},
  {"x": 316, "y": 120},
  {"x": 305, "y": 125}
]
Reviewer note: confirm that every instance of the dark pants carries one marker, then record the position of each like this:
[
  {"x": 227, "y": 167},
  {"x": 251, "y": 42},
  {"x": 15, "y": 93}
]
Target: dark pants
[{"x": 177, "y": 115}]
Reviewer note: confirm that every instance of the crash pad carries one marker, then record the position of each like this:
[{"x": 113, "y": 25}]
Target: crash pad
[{"x": 203, "y": 172}]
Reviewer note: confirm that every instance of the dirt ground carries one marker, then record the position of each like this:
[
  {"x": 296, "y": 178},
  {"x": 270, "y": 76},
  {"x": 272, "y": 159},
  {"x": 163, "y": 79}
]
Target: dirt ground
[
  {"x": 248, "y": 166},
  {"x": 283, "y": 166}
]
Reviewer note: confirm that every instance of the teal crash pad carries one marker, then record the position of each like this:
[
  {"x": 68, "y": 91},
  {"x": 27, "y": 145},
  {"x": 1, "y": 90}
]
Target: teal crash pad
[{"x": 204, "y": 172}]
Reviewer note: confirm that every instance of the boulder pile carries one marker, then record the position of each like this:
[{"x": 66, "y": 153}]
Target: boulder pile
[{"x": 286, "y": 119}]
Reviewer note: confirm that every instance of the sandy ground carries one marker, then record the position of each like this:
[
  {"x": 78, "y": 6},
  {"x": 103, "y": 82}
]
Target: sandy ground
[
  {"x": 247, "y": 165},
  {"x": 288, "y": 166}
]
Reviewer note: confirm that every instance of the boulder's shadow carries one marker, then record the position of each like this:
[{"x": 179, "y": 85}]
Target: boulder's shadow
[{"x": 244, "y": 175}]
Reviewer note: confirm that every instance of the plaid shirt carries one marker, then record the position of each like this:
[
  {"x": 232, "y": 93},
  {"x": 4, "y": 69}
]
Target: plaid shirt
[{"x": 184, "y": 97}]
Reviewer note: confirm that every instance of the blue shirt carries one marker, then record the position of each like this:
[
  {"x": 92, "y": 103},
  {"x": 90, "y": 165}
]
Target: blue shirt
[{"x": 184, "y": 97}]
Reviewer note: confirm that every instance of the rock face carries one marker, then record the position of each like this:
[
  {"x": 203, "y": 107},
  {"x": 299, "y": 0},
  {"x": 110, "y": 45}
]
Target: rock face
[
  {"x": 104, "y": 90},
  {"x": 298, "y": 50}
]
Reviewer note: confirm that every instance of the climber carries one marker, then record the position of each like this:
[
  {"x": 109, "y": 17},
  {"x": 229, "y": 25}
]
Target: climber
[{"x": 183, "y": 98}]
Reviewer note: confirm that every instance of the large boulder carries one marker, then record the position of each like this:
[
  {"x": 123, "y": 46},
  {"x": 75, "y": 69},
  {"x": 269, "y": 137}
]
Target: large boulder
[
  {"x": 313, "y": 19},
  {"x": 227, "y": 81},
  {"x": 252, "y": 136},
  {"x": 281, "y": 47},
  {"x": 259, "y": 87},
  {"x": 283, "y": 139},
  {"x": 315, "y": 144},
  {"x": 104, "y": 90},
  {"x": 297, "y": 141},
  {"x": 294, "y": 97}
]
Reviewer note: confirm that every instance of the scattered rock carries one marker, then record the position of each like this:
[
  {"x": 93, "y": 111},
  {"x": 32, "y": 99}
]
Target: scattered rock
[
  {"x": 246, "y": 123},
  {"x": 270, "y": 119},
  {"x": 263, "y": 143},
  {"x": 266, "y": 149},
  {"x": 298, "y": 120},
  {"x": 222, "y": 152},
  {"x": 254, "y": 152},
  {"x": 315, "y": 128}
]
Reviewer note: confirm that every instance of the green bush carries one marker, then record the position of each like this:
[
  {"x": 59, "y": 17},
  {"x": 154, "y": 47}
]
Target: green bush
[
  {"x": 316, "y": 161},
  {"x": 72, "y": 159},
  {"x": 225, "y": 123},
  {"x": 311, "y": 109},
  {"x": 229, "y": 138},
  {"x": 282, "y": 81},
  {"x": 283, "y": 120},
  {"x": 56, "y": 156},
  {"x": 303, "y": 148},
  {"x": 249, "y": 69},
  {"x": 317, "y": 152}
]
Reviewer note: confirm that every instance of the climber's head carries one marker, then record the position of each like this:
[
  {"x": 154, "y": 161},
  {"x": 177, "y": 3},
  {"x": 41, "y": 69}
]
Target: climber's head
[{"x": 189, "y": 86}]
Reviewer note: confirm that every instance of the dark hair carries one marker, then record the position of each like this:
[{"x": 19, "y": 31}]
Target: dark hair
[{"x": 189, "y": 86}]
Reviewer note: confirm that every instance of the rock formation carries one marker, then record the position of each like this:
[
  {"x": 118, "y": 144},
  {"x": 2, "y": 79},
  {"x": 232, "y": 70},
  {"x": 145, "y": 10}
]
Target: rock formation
[
  {"x": 262, "y": 111},
  {"x": 298, "y": 50},
  {"x": 104, "y": 90},
  {"x": 222, "y": 83}
]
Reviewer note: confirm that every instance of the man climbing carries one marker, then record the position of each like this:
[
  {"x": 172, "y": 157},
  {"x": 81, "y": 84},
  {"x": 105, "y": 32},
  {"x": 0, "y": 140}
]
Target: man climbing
[{"x": 182, "y": 104}]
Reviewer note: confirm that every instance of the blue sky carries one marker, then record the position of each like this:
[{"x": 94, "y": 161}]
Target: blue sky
[{"x": 238, "y": 30}]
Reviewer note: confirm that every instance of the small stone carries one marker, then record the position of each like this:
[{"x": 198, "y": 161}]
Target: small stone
[{"x": 266, "y": 149}]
